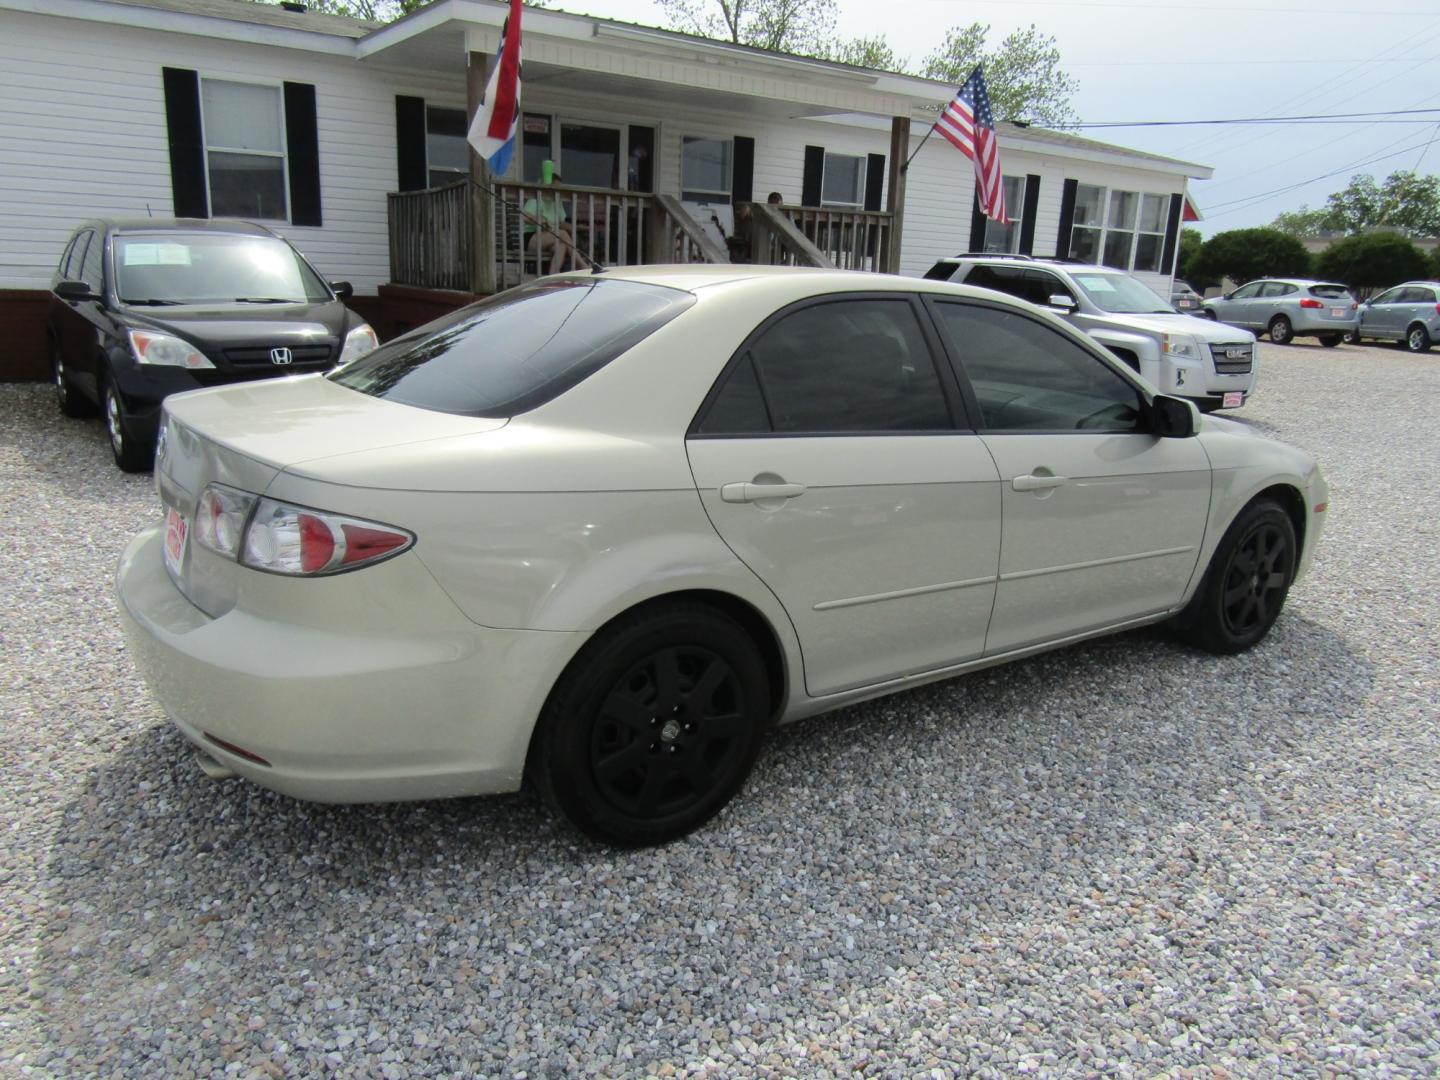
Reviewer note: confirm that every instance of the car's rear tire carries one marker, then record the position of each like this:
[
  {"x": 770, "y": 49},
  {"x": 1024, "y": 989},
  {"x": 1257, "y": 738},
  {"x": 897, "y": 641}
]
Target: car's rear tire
[
  {"x": 1281, "y": 332},
  {"x": 654, "y": 726},
  {"x": 1245, "y": 586},
  {"x": 1417, "y": 339},
  {"x": 1331, "y": 340},
  {"x": 131, "y": 454},
  {"x": 71, "y": 402}
]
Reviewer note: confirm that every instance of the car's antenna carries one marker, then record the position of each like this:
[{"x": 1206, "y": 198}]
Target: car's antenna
[{"x": 595, "y": 265}]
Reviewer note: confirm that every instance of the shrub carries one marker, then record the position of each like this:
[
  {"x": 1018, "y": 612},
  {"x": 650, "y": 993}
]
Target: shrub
[
  {"x": 1246, "y": 254},
  {"x": 1372, "y": 261}
]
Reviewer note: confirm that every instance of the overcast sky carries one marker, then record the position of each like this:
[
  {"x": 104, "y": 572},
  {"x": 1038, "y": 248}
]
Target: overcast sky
[{"x": 1140, "y": 60}]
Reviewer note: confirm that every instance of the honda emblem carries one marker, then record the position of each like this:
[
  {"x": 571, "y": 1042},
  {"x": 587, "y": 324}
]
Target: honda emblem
[{"x": 280, "y": 356}]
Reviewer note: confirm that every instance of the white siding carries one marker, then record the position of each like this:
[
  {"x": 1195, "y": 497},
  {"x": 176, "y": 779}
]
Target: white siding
[{"x": 84, "y": 136}]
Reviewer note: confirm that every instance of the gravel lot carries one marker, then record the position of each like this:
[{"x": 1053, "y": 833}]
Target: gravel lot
[{"x": 1121, "y": 859}]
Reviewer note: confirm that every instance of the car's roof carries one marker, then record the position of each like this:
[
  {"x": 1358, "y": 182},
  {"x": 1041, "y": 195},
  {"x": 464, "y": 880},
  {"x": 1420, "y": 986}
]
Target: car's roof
[
  {"x": 693, "y": 276},
  {"x": 1302, "y": 281},
  {"x": 1032, "y": 260},
  {"x": 209, "y": 225}
]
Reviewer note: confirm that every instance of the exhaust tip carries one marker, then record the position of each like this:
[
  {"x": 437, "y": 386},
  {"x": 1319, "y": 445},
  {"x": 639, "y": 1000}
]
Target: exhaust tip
[{"x": 212, "y": 768}]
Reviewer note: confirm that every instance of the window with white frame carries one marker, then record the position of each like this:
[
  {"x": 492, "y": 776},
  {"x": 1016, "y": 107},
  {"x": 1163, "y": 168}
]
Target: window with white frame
[
  {"x": 843, "y": 182},
  {"x": 1123, "y": 229},
  {"x": 1006, "y": 238},
  {"x": 705, "y": 169},
  {"x": 244, "y": 125},
  {"x": 447, "y": 154}
]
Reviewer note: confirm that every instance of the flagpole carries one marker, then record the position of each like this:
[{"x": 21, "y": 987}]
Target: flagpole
[{"x": 906, "y": 166}]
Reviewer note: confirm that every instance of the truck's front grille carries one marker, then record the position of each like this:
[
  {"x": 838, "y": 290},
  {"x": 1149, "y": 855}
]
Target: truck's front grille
[{"x": 1233, "y": 358}]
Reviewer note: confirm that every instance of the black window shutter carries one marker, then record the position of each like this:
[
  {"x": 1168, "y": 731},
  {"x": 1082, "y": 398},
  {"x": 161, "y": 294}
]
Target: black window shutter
[
  {"x": 874, "y": 180},
  {"x": 814, "y": 174},
  {"x": 977, "y": 224},
  {"x": 302, "y": 146},
  {"x": 1027, "y": 215},
  {"x": 187, "y": 142},
  {"x": 742, "y": 176},
  {"x": 1067, "y": 218},
  {"x": 1172, "y": 234},
  {"x": 410, "y": 143}
]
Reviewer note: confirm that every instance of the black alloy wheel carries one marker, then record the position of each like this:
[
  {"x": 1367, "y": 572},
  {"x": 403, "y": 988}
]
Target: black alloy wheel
[
  {"x": 1280, "y": 330},
  {"x": 131, "y": 454},
  {"x": 70, "y": 402},
  {"x": 1245, "y": 587},
  {"x": 654, "y": 726},
  {"x": 1417, "y": 339}
]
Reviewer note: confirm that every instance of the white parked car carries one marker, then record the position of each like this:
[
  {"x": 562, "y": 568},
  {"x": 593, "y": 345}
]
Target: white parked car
[{"x": 604, "y": 529}]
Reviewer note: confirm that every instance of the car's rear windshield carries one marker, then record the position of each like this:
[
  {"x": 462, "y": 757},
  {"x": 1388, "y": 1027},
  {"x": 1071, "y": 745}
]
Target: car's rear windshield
[
  {"x": 516, "y": 350},
  {"x": 1330, "y": 292},
  {"x": 163, "y": 268}
]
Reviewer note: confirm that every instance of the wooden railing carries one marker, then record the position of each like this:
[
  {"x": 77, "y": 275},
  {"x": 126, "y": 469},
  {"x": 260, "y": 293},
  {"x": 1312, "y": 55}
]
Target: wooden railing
[
  {"x": 430, "y": 237},
  {"x": 432, "y": 234}
]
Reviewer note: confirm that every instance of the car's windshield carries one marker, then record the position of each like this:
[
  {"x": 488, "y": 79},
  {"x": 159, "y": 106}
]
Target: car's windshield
[
  {"x": 516, "y": 350},
  {"x": 209, "y": 268},
  {"x": 1121, "y": 295}
]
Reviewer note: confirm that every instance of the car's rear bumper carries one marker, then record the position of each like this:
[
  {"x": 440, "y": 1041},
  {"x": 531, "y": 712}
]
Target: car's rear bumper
[
  {"x": 1307, "y": 322},
  {"x": 420, "y": 704}
]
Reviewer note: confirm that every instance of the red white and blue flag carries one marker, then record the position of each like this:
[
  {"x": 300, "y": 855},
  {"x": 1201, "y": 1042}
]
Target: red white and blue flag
[
  {"x": 969, "y": 124},
  {"x": 492, "y": 132}
]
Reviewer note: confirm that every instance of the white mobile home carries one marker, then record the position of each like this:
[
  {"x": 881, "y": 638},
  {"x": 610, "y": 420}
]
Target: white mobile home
[{"x": 348, "y": 138}]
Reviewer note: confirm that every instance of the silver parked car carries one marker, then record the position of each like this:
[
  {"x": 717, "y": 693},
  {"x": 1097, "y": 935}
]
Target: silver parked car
[
  {"x": 1288, "y": 308},
  {"x": 1185, "y": 299},
  {"x": 1408, "y": 313}
]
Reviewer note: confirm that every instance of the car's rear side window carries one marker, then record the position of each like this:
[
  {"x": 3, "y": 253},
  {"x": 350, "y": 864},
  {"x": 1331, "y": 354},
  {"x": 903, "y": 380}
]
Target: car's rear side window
[{"x": 517, "y": 350}]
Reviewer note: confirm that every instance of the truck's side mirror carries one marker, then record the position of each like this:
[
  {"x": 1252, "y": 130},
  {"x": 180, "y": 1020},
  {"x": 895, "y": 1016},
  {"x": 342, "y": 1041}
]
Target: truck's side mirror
[
  {"x": 1063, "y": 304},
  {"x": 343, "y": 290},
  {"x": 1171, "y": 418}
]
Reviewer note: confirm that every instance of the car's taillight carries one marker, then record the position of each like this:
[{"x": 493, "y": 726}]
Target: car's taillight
[
  {"x": 1437, "y": 309},
  {"x": 301, "y": 542},
  {"x": 1307, "y": 302},
  {"x": 220, "y": 517}
]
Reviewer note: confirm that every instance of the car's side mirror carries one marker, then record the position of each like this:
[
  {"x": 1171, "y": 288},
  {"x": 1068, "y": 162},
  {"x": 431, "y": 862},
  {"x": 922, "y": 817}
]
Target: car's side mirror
[
  {"x": 343, "y": 289},
  {"x": 74, "y": 291},
  {"x": 1171, "y": 418},
  {"x": 1062, "y": 303}
]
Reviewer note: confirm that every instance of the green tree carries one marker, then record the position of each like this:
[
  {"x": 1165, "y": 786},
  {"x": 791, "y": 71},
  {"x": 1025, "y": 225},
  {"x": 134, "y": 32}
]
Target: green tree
[
  {"x": 1305, "y": 224},
  {"x": 1023, "y": 75},
  {"x": 1244, "y": 254},
  {"x": 867, "y": 52},
  {"x": 1435, "y": 264},
  {"x": 1372, "y": 261},
  {"x": 1406, "y": 203},
  {"x": 793, "y": 26},
  {"x": 1190, "y": 243}
]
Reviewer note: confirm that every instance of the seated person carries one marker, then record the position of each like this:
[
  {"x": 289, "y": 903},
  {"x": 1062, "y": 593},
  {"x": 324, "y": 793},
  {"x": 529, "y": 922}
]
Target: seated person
[{"x": 550, "y": 210}]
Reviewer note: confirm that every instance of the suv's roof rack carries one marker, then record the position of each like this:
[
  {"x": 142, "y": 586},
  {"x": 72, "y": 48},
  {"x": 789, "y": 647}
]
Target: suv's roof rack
[{"x": 992, "y": 255}]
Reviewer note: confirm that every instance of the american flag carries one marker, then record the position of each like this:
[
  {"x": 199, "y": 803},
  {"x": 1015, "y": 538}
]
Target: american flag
[
  {"x": 492, "y": 131},
  {"x": 968, "y": 123}
]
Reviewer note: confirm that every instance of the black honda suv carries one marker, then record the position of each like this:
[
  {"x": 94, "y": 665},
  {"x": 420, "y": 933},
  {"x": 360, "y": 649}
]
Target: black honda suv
[{"x": 141, "y": 309}]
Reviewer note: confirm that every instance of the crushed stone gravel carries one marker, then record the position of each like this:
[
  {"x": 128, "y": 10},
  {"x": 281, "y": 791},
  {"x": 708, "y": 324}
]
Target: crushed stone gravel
[{"x": 1123, "y": 859}]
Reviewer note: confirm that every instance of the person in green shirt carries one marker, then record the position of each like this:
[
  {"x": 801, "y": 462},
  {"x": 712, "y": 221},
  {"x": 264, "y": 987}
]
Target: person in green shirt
[{"x": 549, "y": 208}]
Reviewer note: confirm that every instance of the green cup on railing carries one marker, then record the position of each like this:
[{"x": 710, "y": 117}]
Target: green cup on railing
[{"x": 547, "y": 171}]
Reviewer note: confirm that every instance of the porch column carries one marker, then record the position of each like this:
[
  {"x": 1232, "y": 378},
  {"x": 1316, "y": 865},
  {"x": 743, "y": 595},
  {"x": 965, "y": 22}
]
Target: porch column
[
  {"x": 895, "y": 189},
  {"x": 482, "y": 203}
]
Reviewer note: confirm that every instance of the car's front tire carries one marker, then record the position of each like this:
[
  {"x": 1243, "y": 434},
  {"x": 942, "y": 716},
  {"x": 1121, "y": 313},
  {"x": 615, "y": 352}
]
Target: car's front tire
[
  {"x": 1247, "y": 581},
  {"x": 1281, "y": 332},
  {"x": 69, "y": 400},
  {"x": 654, "y": 726},
  {"x": 1417, "y": 339},
  {"x": 132, "y": 454}
]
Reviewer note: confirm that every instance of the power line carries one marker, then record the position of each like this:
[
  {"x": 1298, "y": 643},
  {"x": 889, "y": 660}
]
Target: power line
[{"x": 1260, "y": 119}]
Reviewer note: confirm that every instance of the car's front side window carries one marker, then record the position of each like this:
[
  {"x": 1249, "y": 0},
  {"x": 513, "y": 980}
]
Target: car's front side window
[
  {"x": 841, "y": 366},
  {"x": 1027, "y": 376},
  {"x": 1245, "y": 292}
]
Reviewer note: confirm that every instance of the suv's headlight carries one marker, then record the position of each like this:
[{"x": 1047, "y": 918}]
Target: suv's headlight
[
  {"x": 358, "y": 342},
  {"x": 166, "y": 350},
  {"x": 1179, "y": 345}
]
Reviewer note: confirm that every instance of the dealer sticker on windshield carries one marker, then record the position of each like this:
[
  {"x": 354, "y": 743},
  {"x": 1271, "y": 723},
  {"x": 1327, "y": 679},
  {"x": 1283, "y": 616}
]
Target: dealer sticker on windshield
[
  {"x": 176, "y": 530},
  {"x": 1233, "y": 400}
]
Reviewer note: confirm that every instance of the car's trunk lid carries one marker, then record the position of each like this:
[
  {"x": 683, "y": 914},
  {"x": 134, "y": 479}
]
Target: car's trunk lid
[{"x": 244, "y": 436}]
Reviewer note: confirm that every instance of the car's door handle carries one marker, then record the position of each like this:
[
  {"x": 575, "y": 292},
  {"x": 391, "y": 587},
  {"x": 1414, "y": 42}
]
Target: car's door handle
[
  {"x": 1032, "y": 482},
  {"x": 748, "y": 492}
]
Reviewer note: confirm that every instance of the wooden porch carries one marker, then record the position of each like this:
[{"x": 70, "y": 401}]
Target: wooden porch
[{"x": 481, "y": 238}]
